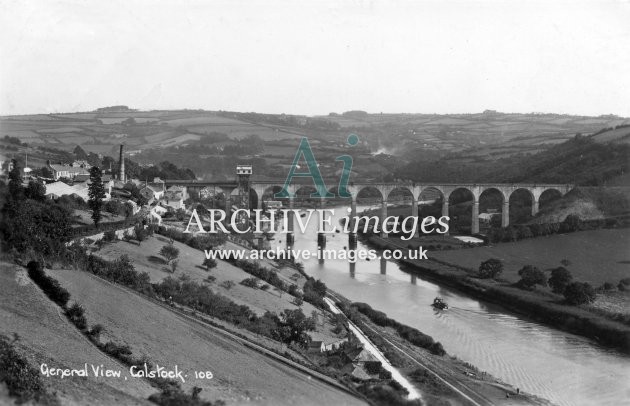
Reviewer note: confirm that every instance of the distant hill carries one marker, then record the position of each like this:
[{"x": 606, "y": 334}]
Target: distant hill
[
  {"x": 114, "y": 109},
  {"x": 488, "y": 146},
  {"x": 619, "y": 134},
  {"x": 582, "y": 160},
  {"x": 491, "y": 133}
]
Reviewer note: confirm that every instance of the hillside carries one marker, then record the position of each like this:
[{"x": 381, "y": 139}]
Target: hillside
[
  {"x": 589, "y": 203},
  {"x": 45, "y": 336},
  {"x": 166, "y": 338},
  {"x": 146, "y": 259},
  {"x": 580, "y": 160},
  {"x": 618, "y": 134}
]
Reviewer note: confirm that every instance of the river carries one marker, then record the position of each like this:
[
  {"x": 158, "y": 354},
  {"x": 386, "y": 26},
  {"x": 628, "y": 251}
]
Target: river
[{"x": 561, "y": 367}]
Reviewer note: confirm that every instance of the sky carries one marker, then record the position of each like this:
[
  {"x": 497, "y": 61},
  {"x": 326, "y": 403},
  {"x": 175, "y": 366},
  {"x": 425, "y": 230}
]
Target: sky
[{"x": 316, "y": 57}]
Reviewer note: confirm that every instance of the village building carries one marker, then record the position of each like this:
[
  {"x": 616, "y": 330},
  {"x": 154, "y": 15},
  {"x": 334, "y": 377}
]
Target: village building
[
  {"x": 173, "y": 200},
  {"x": 57, "y": 189},
  {"x": 153, "y": 190},
  {"x": 67, "y": 171},
  {"x": 318, "y": 346},
  {"x": 357, "y": 359},
  {"x": 81, "y": 164},
  {"x": 178, "y": 189}
]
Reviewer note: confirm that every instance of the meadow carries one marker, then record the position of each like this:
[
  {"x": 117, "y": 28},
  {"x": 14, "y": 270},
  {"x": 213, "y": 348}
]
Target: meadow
[{"x": 595, "y": 256}]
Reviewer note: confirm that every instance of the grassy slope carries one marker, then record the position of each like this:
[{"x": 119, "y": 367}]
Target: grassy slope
[
  {"x": 167, "y": 339},
  {"x": 596, "y": 256},
  {"x": 146, "y": 259},
  {"x": 46, "y": 337}
]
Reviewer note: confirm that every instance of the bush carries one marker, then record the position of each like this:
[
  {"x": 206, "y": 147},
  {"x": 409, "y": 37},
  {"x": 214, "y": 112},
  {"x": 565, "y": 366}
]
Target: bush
[
  {"x": 255, "y": 269},
  {"x": 314, "y": 293},
  {"x": 119, "y": 271},
  {"x": 560, "y": 278},
  {"x": 76, "y": 314},
  {"x": 94, "y": 334},
  {"x": 209, "y": 263},
  {"x": 530, "y": 277},
  {"x": 50, "y": 286},
  {"x": 250, "y": 283},
  {"x": 571, "y": 223},
  {"x": 140, "y": 233},
  {"x": 118, "y": 351},
  {"x": 437, "y": 348},
  {"x": 577, "y": 293},
  {"x": 169, "y": 252},
  {"x": 227, "y": 284},
  {"x": 490, "y": 269},
  {"x": 210, "y": 279}
]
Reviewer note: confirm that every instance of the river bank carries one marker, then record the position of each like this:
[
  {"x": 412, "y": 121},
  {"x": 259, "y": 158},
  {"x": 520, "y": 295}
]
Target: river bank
[
  {"x": 442, "y": 378},
  {"x": 532, "y": 304}
]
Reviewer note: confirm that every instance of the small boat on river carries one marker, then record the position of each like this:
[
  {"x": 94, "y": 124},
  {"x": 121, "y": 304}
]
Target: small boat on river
[{"x": 439, "y": 303}]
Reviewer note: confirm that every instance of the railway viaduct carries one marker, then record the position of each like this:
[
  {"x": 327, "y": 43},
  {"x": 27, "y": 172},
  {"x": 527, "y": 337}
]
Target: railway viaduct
[{"x": 414, "y": 190}]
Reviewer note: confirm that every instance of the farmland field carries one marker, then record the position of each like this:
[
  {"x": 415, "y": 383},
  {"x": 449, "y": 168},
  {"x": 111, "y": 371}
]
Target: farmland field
[{"x": 596, "y": 256}]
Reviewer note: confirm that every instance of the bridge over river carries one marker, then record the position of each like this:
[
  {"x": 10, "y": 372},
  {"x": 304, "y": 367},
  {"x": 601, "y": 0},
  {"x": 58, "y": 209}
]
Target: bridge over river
[{"x": 263, "y": 188}]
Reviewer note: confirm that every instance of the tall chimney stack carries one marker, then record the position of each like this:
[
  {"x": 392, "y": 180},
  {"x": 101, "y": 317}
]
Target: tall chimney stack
[{"x": 121, "y": 170}]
